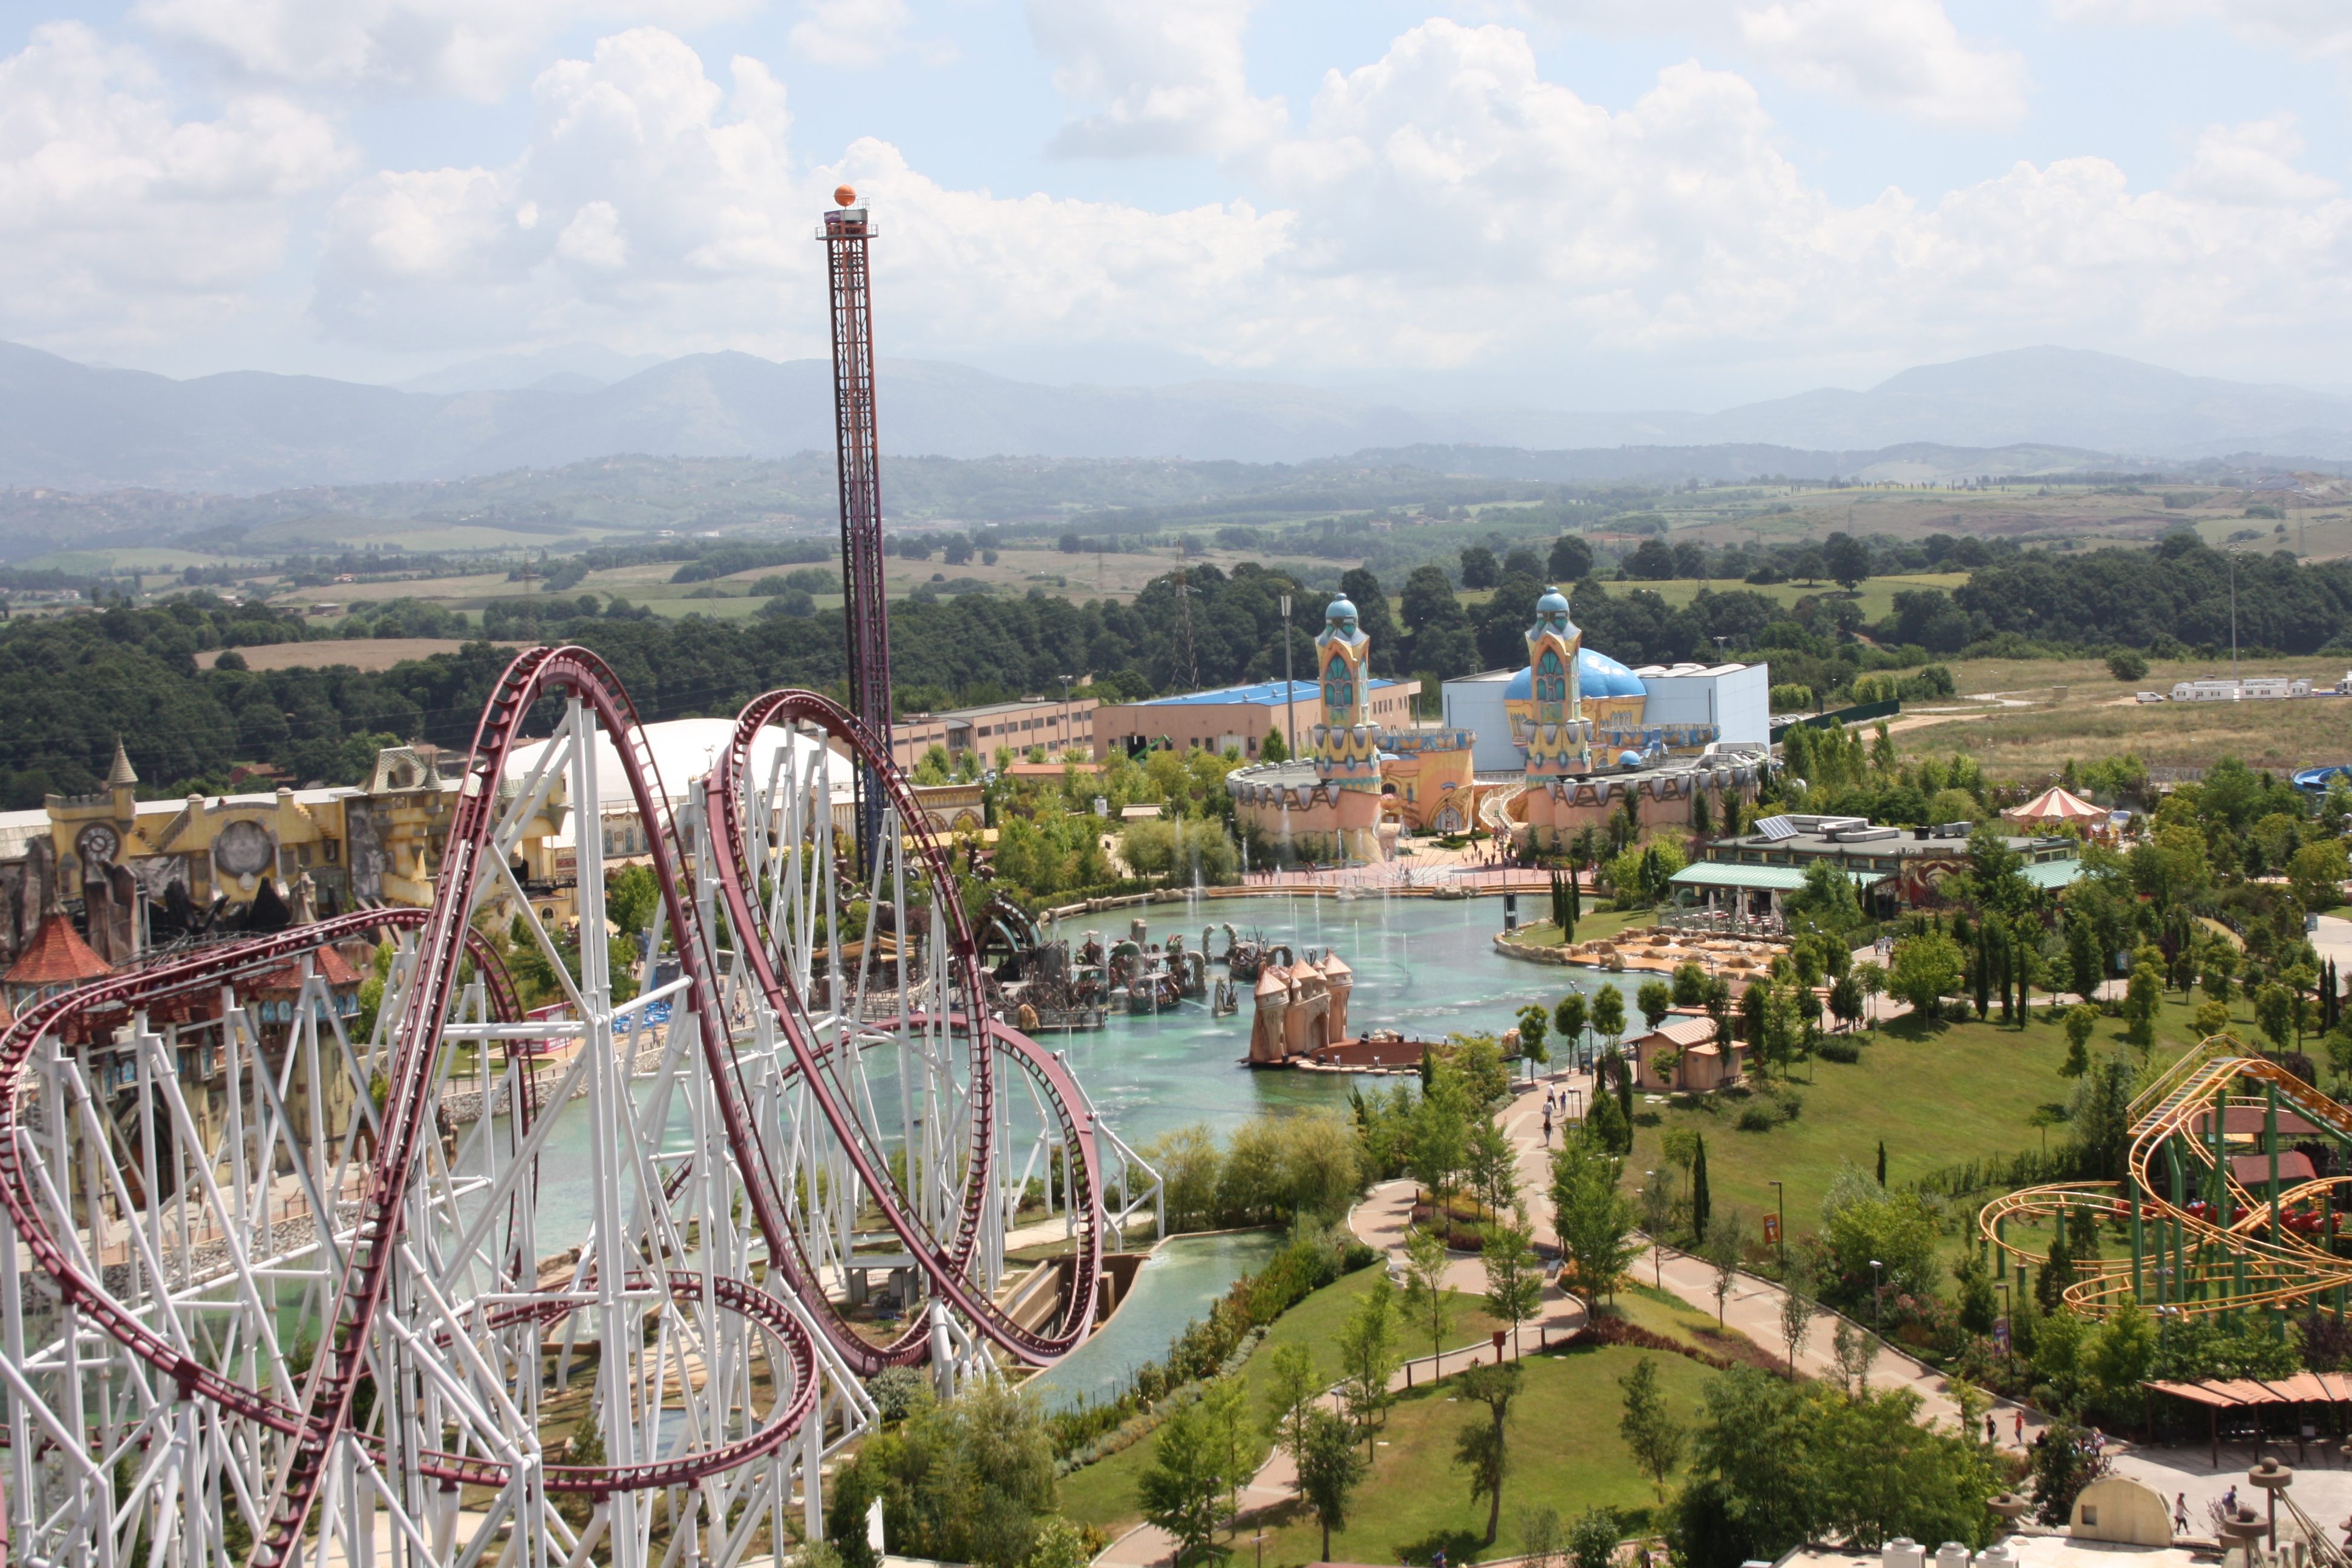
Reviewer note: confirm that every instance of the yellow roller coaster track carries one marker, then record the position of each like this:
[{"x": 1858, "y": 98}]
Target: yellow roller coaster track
[{"x": 2182, "y": 1258}]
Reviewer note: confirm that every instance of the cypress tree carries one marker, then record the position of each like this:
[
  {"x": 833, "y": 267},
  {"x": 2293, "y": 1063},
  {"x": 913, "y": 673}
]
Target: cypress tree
[
  {"x": 1984, "y": 973},
  {"x": 1625, "y": 1092},
  {"x": 1881, "y": 1163},
  {"x": 1702, "y": 1201},
  {"x": 1575, "y": 897}
]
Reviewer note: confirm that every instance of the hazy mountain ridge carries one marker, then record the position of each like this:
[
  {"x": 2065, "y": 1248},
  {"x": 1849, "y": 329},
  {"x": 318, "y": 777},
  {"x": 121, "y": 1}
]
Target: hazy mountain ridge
[{"x": 80, "y": 428}]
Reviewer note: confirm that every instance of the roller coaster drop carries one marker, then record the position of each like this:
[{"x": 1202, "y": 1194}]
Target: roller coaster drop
[
  {"x": 2231, "y": 1205},
  {"x": 197, "y": 1372}
]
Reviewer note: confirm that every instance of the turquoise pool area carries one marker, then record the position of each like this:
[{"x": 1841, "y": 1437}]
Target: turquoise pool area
[
  {"x": 1424, "y": 967},
  {"x": 1174, "y": 1286}
]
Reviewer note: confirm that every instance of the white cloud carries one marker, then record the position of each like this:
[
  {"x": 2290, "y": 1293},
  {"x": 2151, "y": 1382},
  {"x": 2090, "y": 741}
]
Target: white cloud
[
  {"x": 1890, "y": 54},
  {"x": 2252, "y": 165},
  {"x": 468, "y": 48},
  {"x": 852, "y": 34},
  {"x": 1150, "y": 77},
  {"x": 2308, "y": 26},
  {"x": 123, "y": 222},
  {"x": 1440, "y": 206},
  {"x": 1900, "y": 54}
]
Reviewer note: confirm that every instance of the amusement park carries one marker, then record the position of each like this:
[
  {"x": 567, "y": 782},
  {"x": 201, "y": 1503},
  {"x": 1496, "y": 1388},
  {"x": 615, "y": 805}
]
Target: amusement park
[{"x": 1300, "y": 1117}]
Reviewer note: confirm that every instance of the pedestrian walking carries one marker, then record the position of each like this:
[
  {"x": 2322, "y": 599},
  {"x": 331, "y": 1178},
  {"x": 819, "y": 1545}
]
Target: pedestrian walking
[
  {"x": 1993, "y": 1433},
  {"x": 2181, "y": 1513},
  {"x": 2021, "y": 1429},
  {"x": 1547, "y": 1126}
]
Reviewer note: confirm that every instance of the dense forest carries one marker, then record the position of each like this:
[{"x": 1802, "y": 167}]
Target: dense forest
[{"x": 71, "y": 686}]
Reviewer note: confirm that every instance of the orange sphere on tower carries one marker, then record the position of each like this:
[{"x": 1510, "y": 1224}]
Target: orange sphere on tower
[{"x": 844, "y": 195}]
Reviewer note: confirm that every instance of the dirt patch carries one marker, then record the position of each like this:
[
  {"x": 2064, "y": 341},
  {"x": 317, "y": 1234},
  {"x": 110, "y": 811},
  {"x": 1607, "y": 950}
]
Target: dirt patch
[{"x": 373, "y": 654}]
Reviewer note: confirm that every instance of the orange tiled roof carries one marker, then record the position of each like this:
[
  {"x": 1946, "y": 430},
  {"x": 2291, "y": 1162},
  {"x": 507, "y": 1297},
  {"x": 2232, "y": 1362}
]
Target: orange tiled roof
[{"x": 58, "y": 956}]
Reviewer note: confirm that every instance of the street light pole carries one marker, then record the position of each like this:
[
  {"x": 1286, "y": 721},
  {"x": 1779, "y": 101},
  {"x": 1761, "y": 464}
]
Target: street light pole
[
  {"x": 1780, "y": 1211},
  {"x": 2009, "y": 1326},
  {"x": 1877, "y": 1295},
  {"x": 1290, "y": 684}
]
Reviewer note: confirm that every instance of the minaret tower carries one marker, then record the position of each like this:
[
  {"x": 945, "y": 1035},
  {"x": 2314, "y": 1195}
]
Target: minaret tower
[
  {"x": 1347, "y": 747},
  {"x": 1560, "y": 739}
]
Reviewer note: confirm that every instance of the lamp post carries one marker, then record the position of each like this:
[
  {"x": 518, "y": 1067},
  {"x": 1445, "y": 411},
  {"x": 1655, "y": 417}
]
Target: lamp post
[
  {"x": 2007, "y": 1326},
  {"x": 1877, "y": 1295},
  {"x": 1067, "y": 739},
  {"x": 1290, "y": 685},
  {"x": 1657, "y": 1248},
  {"x": 1780, "y": 1211}
]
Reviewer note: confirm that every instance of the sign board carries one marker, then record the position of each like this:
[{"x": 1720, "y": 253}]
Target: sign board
[
  {"x": 1102, "y": 805},
  {"x": 2000, "y": 1336},
  {"x": 1773, "y": 1230}
]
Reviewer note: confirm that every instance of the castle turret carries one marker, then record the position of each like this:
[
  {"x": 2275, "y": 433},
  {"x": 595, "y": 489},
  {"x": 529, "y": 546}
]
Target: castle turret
[
  {"x": 1341, "y": 980},
  {"x": 1273, "y": 999},
  {"x": 122, "y": 783}
]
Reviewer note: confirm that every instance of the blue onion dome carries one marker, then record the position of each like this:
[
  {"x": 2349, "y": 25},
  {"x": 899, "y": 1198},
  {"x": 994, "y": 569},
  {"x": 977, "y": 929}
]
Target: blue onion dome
[
  {"x": 1600, "y": 676},
  {"x": 1553, "y": 603},
  {"x": 1340, "y": 609},
  {"x": 1521, "y": 686}
]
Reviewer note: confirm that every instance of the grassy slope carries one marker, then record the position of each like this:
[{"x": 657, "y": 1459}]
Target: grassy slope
[
  {"x": 2030, "y": 742},
  {"x": 1566, "y": 1454},
  {"x": 1104, "y": 1493},
  {"x": 1964, "y": 1092}
]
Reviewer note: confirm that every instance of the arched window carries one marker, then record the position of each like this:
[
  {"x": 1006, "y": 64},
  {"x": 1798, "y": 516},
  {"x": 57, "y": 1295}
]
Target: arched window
[
  {"x": 1338, "y": 690},
  {"x": 1551, "y": 686}
]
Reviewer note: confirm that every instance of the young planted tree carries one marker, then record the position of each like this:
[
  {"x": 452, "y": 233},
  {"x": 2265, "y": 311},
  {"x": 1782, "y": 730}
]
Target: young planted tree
[
  {"x": 1535, "y": 1022},
  {"x": 1290, "y": 1391},
  {"x": 1651, "y": 1435},
  {"x": 1368, "y": 1358},
  {"x": 1609, "y": 1015},
  {"x": 1726, "y": 1243},
  {"x": 1657, "y": 1201},
  {"x": 1226, "y": 1403},
  {"x": 1796, "y": 1312},
  {"x": 1591, "y": 1215},
  {"x": 2081, "y": 1019},
  {"x": 1329, "y": 1471},
  {"x": 1426, "y": 1300},
  {"x": 1568, "y": 1018},
  {"x": 1657, "y": 999},
  {"x": 1482, "y": 1447},
  {"x": 1183, "y": 1491},
  {"x": 1494, "y": 1165},
  {"x": 1514, "y": 1274}
]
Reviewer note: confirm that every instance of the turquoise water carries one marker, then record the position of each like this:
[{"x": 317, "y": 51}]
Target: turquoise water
[
  {"x": 1424, "y": 967},
  {"x": 1175, "y": 1285}
]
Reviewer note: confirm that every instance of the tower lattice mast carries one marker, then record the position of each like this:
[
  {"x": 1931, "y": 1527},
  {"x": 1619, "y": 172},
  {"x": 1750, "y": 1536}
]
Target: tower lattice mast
[{"x": 859, "y": 458}]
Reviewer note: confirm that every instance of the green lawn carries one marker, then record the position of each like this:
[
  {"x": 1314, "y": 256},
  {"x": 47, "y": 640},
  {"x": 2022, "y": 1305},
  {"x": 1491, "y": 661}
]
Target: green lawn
[
  {"x": 1591, "y": 928},
  {"x": 1565, "y": 1449},
  {"x": 1104, "y": 1493},
  {"x": 1962, "y": 1091}
]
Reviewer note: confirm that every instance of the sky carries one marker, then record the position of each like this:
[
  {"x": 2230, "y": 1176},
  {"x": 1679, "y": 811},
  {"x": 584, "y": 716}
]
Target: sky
[{"x": 1560, "y": 203}]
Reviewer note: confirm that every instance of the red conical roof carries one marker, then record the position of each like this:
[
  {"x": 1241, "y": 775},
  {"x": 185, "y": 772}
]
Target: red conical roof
[{"x": 58, "y": 956}]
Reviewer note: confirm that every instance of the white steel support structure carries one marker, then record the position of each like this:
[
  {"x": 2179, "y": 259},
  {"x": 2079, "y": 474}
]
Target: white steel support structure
[{"x": 270, "y": 1295}]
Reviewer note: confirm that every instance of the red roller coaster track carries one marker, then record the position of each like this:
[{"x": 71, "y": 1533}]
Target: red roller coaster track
[{"x": 443, "y": 937}]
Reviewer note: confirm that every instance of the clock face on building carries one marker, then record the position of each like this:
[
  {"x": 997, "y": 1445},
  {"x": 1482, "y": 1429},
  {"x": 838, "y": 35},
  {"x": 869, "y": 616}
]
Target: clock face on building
[
  {"x": 98, "y": 845},
  {"x": 242, "y": 849}
]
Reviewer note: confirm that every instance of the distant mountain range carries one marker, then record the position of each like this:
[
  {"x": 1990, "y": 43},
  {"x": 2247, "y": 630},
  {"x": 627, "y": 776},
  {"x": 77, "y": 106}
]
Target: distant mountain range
[{"x": 80, "y": 427}]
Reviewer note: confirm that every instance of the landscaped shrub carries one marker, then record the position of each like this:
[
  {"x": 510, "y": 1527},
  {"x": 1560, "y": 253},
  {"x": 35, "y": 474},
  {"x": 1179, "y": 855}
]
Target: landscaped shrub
[{"x": 1834, "y": 1049}]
